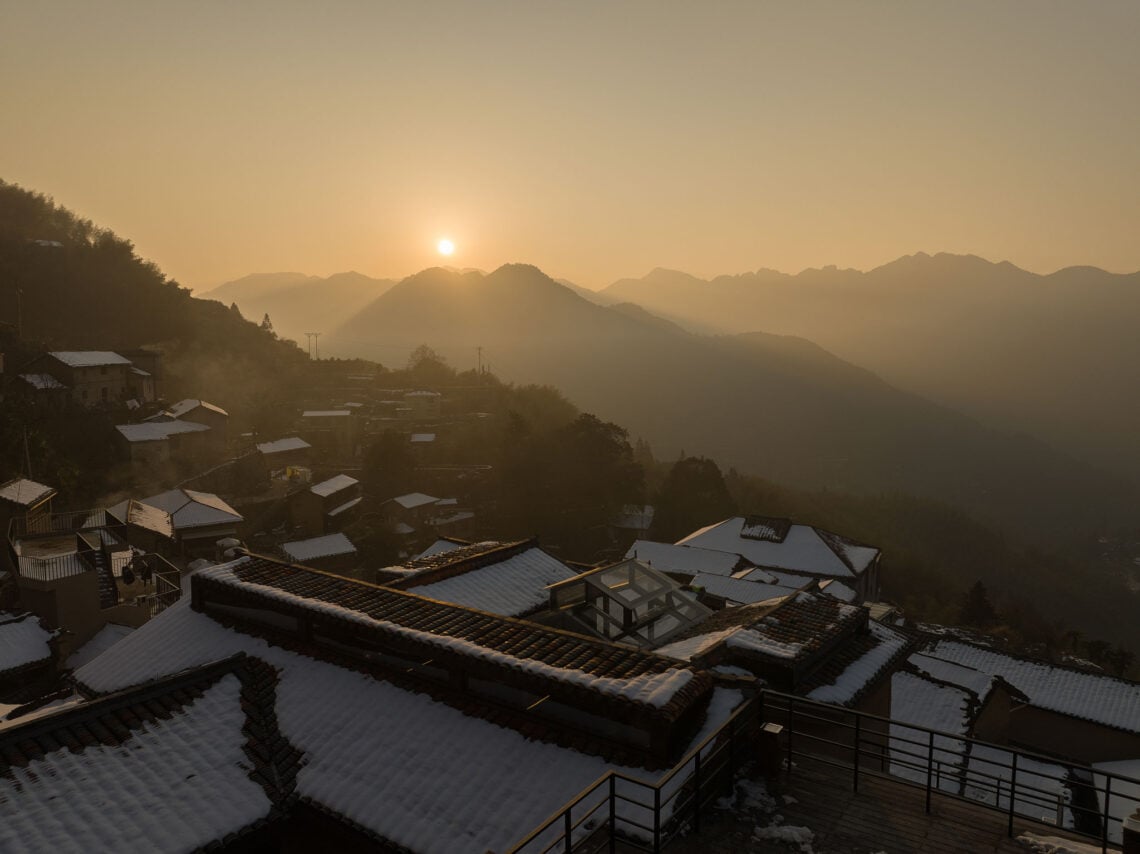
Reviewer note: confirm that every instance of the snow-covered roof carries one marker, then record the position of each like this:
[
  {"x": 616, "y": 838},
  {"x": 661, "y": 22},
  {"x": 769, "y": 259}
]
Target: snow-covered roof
[
  {"x": 920, "y": 702},
  {"x": 42, "y": 381},
  {"x": 104, "y": 639},
  {"x": 23, "y": 641},
  {"x": 278, "y": 446},
  {"x": 422, "y": 394},
  {"x": 977, "y": 683},
  {"x": 779, "y": 544},
  {"x": 1089, "y": 696},
  {"x": 685, "y": 560},
  {"x": 88, "y": 358},
  {"x": 190, "y": 404},
  {"x": 191, "y": 509},
  {"x": 846, "y": 675},
  {"x": 143, "y": 515},
  {"x": 740, "y": 590},
  {"x": 428, "y": 759},
  {"x": 24, "y": 492},
  {"x": 133, "y": 779},
  {"x": 414, "y": 499},
  {"x": 644, "y": 680},
  {"x": 325, "y": 413},
  {"x": 340, "y": 508},
  {"x": 333, "y": 485},
  {"x": 139, "y": 372},
  {"x": 422, "y": 438},
  {"x": 158, "y": 431},
  {"x": 512, "y": 587},
  {"x": 329, "y": 545}
]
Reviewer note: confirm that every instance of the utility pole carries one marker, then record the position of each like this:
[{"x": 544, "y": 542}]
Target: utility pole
[
  {"x": 20, "y": 314},
  {"x": 317, "y": 341},
  {"x": 479, "y": 350},
  {"x": 311, "y": 336}
]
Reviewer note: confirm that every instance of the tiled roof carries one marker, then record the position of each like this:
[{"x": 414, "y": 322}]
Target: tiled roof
[
  {"x": 787, "y": 632},
  {"x": 853, "y": 669},
  {"x": 198, "y": 755},
  {"x": 24, "y": 492},
  {"x": 801, "y": 547},
  {"x": 1090, "y": 696},
  {"x": 461, "y": 558},
  {"x": 554, "y": 657},
  {"x": 414, "y": 499},
  {"x": 88, "y": 358},
  {"x": 427, "y": 776},
  {"x": 513, "y": 586},
  {"x": 441, "y": 546}
]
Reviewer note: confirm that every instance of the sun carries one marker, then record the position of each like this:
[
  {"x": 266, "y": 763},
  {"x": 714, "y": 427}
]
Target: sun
[{"x": 445, "y": 246}]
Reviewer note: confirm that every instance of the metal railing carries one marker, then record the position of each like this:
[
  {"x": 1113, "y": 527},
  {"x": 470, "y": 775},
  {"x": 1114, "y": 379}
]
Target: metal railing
[
  {"x": 52, "y": 524},
  {"x": 646, "y": 816},
  {"x": 643, "y": 815},
  {"x": 1020, "y": 784}
]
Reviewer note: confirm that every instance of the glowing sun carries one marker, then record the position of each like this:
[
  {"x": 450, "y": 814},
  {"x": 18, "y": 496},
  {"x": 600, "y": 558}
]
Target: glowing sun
[{"x": 445, "y": 246}]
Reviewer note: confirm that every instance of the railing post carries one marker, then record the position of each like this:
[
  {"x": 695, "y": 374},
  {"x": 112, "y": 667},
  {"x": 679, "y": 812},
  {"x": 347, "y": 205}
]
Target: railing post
[
  {"x": 697, "y": 793},
  {"x": 566, "y": 832},
  {"x": 858, "y": 722},
  {"x": 656, "y": 820},
  {"x": 1012, "y": 793},
  {"x": 1107, "y": 814},
  {"x": 731, "y": 752},
  {"x": 929, "y": 770},
  {"x": 791, "y": 717},
  {"x": 613, "y": 813}
]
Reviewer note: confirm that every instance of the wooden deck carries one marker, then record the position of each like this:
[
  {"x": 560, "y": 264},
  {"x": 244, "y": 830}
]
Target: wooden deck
[
  {"x": 891, "y": 817},
  {"x": 885, "y": 816}
]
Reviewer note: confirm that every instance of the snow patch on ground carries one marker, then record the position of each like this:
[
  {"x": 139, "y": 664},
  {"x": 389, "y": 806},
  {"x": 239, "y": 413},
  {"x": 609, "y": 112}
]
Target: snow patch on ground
[{"x": 1055, "y": 845}]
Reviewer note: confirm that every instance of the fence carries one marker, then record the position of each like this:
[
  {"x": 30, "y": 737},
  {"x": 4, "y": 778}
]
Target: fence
[{"x": 646, "y": 816}]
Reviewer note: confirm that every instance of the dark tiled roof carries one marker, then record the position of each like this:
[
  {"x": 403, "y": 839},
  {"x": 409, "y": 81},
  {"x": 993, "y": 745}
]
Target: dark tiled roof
[
  {"x": 489, "y": 639},
  {"x": 115, "y": 718},
  {"x": 836, "y": 664},
  {"x": 437, "y": 567}
]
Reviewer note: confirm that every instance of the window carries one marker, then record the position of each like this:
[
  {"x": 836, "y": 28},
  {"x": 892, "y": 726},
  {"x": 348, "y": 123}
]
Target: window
[{"x": 103, "y": 392}]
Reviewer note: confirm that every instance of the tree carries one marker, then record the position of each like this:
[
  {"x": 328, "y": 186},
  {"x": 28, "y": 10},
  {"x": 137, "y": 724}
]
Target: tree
[
  {"x": 267, "y": 324},
  {"x": 427, "y": 367},
  {"x": 693, "y": 495},
  {"x": 976, "y": 608}
]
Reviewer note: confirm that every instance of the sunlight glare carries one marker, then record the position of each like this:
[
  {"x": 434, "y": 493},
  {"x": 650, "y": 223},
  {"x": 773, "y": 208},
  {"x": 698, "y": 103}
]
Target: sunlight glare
[{"x": 445, "y": 246}]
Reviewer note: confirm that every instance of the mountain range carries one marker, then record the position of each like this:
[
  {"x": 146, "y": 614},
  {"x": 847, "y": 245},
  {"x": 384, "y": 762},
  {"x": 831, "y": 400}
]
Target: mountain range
[
  {"x": 297, "y": 303},
  {"x": 1055, "y": 356},
  {"x": 775, "y": 405}
]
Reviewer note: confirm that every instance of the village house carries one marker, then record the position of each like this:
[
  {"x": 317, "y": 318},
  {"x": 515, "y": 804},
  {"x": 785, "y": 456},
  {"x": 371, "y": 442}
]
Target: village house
[
  {"x": 80, "y": 571},
  {"x": 422, "y": 405},
  {"x": 153, "y": 443},
  {"x": 27, "y": 500},
  {"x": 325, "y": 507},
  {"x": 281, "y": 454},
  {"x": 92, "y": 377},
  {"x": 198, "y": 412},
  {"x": 790, "y": 554},
  {"x": 198, "y": 519}
]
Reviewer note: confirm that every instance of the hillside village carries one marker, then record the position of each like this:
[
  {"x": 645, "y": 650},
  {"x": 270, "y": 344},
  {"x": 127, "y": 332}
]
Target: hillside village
[{"x": 335, "y": 631}]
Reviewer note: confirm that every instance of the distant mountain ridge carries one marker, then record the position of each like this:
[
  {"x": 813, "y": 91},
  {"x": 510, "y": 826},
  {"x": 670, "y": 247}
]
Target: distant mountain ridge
[
  {"x": 1050, "y": 355},
  {"x": 774, "y": 405},
  {"x": 298, "y": 303}
]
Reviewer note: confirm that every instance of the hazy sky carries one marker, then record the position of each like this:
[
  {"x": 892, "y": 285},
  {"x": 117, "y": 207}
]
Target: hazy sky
[{"x": 595, "y": 140}]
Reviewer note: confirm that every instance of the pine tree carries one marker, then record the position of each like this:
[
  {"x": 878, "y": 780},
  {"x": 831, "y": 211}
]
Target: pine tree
[{"x": 977, "y": 610}]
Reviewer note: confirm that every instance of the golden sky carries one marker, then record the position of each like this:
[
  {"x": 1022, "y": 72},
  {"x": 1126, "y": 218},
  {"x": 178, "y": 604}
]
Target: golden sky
[{"x": 596, "y": 140}]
